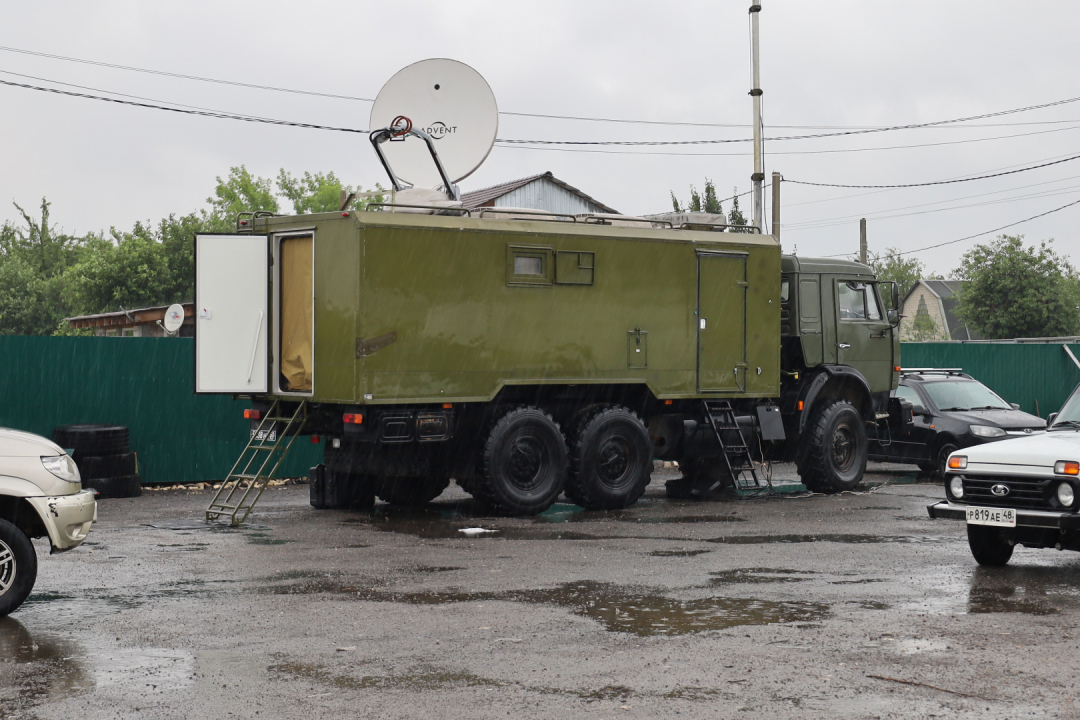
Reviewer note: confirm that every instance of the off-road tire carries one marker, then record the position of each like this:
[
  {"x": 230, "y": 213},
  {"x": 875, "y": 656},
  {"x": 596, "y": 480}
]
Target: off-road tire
[
  {"x": 125, "y": 486},
  {"x": 611, "y": 460},
  {"x": 835, "y": 458},
  {"x": 941, "y": 458},
  {"x": 95, "y": 440},
  {"x": 990, "y": 546},
  {"x": 412, "y": 491},
  {"x": 18, "y": 567},
  {"x": 523, "y": 462},
  {"x": 106, "y": 466},
  {"x": 575, "y": 425},
  {"x": 699, "y": 476}
]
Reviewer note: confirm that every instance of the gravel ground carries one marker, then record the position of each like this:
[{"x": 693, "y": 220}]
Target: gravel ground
[{"x": 848, "y": 606}]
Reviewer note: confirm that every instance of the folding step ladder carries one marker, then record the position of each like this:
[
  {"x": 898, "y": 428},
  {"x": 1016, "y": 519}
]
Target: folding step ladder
[
  {"x": 721, "y": 418},
  {"x": 267, "y": 448}
]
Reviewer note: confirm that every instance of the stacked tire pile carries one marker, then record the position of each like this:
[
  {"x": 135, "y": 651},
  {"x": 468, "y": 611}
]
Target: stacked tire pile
[{"x": 104, "y": 457}]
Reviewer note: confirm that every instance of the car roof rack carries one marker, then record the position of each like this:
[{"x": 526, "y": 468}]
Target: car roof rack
[{"x": 932, "y": 371}]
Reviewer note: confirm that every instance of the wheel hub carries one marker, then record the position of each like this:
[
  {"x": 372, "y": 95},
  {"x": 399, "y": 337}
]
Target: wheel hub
[
  {"x": 7, "y": 568},
  {"x": 613, "y": 460},
  {"x": 843, "y": 446},
  {"x": 525, "y": 462}
]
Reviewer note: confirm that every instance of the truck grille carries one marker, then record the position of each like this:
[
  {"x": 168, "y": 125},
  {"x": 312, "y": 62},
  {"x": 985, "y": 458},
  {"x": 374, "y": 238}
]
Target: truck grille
[{"x": 1023, "y": 492}]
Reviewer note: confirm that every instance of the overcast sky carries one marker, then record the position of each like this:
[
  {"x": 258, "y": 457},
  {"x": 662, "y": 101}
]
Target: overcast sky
[{"x": 825, "y": 67}]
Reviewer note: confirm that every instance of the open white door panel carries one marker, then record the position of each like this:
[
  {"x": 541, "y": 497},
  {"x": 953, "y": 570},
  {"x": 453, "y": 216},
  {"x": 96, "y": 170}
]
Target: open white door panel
[{"x": 231, "y": 314}]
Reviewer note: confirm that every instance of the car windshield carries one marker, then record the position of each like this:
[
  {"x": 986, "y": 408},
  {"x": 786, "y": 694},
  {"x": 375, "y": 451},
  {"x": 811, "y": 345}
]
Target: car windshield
[
  {"x": 959, "y": 394},
  {"x": 1070, "y": 412}
]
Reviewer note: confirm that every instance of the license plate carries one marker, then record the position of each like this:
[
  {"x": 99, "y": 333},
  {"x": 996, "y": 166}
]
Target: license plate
[
  {"x": 265, "y": 435},
  {"x": 1002, "y": 517}
]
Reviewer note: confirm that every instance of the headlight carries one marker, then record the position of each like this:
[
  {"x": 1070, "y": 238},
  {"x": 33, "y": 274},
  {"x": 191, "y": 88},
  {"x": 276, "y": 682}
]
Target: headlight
[
  {"x": 1065, "y": 494},
  {"x": 957, "y": 462},
  {"x": 1067, "y": 467},
  {"x": 956, "y": 487},
  {"x": 986, "y": 431},
  {"x": 63, "y": 467}
]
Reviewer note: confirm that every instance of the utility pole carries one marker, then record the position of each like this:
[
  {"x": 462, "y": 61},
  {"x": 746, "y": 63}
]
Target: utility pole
[
  {"x": 758, "y": 178},
  {"x": 862, "y": 241},
  {"x": 776, "y": 205}
]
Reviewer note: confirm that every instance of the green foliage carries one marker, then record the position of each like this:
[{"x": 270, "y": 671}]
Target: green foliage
[
  {"x": 891, "y": 266},
  {"x": 736, "y": 219},
  {"x": 46, "y": 275},
  {"x": 1016, "y": 291},
  {"x": 707, "y": 203}
]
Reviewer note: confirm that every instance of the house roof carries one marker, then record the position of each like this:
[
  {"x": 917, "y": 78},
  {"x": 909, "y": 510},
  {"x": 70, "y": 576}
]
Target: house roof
[
  {"x": 477, "y": 198},
  {"x": 127, "y": 318}
]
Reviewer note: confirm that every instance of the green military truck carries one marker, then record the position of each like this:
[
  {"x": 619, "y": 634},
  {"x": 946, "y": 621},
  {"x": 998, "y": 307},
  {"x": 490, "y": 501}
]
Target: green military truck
[{"x": 528, "y": 355}]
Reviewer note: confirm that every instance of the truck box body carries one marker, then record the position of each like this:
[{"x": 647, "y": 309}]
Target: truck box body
[{"x": 408, "y": 309}]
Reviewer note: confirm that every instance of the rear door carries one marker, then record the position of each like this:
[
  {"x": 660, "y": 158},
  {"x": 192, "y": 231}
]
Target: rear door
[
  {"x": 231, "y": 314},
  {"x": 721, "y": 321}
]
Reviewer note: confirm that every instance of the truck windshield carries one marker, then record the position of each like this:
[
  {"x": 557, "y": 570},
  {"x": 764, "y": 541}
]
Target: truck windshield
[{"x": 961, "y": 394}]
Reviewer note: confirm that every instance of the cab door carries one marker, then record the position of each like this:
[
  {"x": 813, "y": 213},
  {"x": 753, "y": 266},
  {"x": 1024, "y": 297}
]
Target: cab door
[
  {"x": 721, "y": 319},
  {"x": 863, "y": 333},
  {"x": 231, "y": 318}
]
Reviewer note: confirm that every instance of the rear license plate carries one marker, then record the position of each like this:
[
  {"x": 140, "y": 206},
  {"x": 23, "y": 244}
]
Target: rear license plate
[{"x": 1002, "y": 517}]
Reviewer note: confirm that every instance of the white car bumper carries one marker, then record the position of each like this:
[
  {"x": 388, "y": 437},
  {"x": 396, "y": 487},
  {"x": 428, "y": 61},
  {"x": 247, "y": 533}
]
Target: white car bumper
[{"x": 67, "y": 518}]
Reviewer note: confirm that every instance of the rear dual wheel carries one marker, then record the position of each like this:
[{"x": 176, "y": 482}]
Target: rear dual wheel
[
  {"x": 610, "y": 459},
  {"x": 523, "y": 462}
]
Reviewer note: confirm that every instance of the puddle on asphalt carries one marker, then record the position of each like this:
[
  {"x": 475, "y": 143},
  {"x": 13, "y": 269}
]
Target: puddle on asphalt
[
  {"x": 678, "y": 553},
  {"x": 751, "y": 576},
  {"x": 1026, "y": 590},
  {"x": 618, "y": 608},
  {"x": 826, "y": 537},
  {"x": 36, "y": 668},
  {"x": 561, "y": 513}
]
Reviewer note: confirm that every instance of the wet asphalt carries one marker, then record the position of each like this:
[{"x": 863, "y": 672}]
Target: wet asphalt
[{"x": 848, "y": 606}]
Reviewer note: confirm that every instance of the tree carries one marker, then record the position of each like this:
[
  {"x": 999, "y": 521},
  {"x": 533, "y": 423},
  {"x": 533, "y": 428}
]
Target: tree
[
  {"x": 735, "y": 218},
  {"x": 892, "y": 266},
  {"x": 311, "y": 193},
  {"x": 700, "y": 203},
  {"x": 1012, "y": 290},
  {"x": 242, "y": 192}
]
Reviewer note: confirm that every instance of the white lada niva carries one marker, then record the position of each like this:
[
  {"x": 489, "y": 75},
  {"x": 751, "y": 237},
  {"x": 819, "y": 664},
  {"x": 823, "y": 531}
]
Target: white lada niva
[
  {"x": 1024, "y": 491},
  {"x": 41, "y": 495}
]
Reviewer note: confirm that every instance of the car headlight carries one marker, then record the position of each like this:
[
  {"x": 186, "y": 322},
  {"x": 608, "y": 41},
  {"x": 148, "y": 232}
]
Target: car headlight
[
  {"x": 1065, "y": 494},
  {"x": 1067, "y": 467},
  {"x": 62, "y": 466},
  {"x": 985, "y": 431},
  {"x": 956, "y": 487}
]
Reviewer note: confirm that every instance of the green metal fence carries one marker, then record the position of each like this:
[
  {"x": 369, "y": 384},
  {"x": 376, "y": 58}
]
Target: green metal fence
[
  {"x": 1037, "y": 376},
  {"x": 143, "y": 383}
]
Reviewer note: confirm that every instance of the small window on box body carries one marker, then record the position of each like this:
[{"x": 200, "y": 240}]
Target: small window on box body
[{"x": 529, "y": 265}]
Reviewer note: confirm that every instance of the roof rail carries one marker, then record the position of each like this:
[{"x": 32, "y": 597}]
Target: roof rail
[{"x": 926, "y": 371}]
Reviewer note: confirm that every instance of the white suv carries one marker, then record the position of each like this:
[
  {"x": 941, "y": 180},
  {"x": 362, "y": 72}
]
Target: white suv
[
  {"x": 41, "y": 495},
  {"x": 1018, "y": 492}
]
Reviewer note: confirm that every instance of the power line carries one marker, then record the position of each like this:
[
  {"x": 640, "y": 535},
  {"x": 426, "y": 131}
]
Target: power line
[
  {"x": 972, "y": 237},
  {"x": 295, "y": 91}
]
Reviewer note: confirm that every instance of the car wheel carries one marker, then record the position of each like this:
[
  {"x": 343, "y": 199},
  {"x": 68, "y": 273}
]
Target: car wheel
[
  {"x": 990, "y": 546},
  {"x": 18, "y": 567},
  {"x": 611, "y": 460},
  {"x": 835, "y": 459},
  {"x": 941, "y": 460},
  {"x": 523, "y": 462}
]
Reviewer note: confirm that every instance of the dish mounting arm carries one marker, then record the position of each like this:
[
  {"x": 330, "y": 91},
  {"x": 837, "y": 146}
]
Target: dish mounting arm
[{"x": 378, "y": 137}]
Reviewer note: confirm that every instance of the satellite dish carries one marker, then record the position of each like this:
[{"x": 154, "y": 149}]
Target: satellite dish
[
  {"x": 449, "y": 101},
  {"x": 174, "y": 318}
]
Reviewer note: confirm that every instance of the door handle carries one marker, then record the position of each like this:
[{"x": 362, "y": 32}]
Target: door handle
[{"x": 843, "y": 346}]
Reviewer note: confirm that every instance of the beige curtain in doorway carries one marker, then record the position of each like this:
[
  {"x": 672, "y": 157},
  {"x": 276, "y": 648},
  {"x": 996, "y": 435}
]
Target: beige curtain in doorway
[{"x": 297, "y": 305}]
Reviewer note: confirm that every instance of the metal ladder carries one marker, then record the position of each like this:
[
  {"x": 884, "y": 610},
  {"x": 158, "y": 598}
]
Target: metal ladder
[
  {"x": 721, "y": 418},
  {"x": 238, "y": 494}
]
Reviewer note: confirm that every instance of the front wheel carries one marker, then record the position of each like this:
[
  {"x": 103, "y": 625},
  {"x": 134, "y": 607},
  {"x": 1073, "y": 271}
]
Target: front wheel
[
  {"x": 18, "y": 567},
  {"x": 941, "y": 460},
  {"x": 835, "y": 458},
  {"x": 990, "y": 546}
]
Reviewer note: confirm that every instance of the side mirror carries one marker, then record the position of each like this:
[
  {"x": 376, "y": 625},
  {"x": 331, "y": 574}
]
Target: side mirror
[
  {"x": 919, "y": 410},
  {"x": 895, "y": 296},
  {"x": 1050, "y": 419},
  {"x": 893, "y": 315},
  {"x": 1015, "y": 406}
]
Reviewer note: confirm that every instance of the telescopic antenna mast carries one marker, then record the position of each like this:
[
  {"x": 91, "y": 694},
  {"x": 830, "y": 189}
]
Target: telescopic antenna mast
[{"x": 758, "y": 178}]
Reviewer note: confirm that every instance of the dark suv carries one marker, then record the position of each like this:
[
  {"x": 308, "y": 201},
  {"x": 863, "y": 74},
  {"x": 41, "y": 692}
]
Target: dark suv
[{"x": 951, "y": 411}]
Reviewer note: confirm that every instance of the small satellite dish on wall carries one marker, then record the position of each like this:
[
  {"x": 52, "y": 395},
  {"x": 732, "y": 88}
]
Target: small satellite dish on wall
[
  {"x": 450, "y": 102},
  {"x": 174, "y": 318}
]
